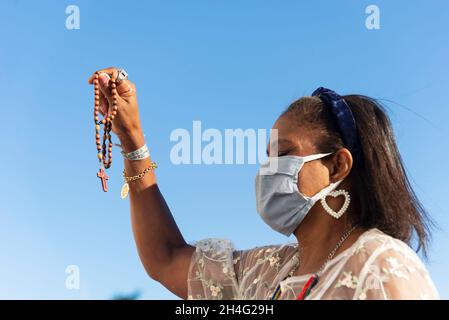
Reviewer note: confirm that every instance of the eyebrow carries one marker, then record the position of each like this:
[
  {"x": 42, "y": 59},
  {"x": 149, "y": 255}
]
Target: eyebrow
[{"x": 279, "y": 142}]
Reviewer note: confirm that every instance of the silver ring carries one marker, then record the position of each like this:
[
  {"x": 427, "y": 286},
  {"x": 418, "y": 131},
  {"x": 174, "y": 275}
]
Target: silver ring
[{"x": 122, "y": 75}]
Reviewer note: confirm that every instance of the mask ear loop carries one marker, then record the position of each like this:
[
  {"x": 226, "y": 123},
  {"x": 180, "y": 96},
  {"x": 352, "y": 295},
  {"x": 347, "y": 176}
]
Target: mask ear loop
[
  {"x": 323, "y": 193},
  {"x": 331, "y": 186},
  {"x": 315, "y": 156}
]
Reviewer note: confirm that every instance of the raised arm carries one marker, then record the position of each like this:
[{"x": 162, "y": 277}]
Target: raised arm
[{"x": 161, "y": 246}]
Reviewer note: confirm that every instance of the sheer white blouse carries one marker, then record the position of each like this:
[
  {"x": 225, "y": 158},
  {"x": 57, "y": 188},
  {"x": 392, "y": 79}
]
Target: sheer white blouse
[{"x": 376, "y": 266}]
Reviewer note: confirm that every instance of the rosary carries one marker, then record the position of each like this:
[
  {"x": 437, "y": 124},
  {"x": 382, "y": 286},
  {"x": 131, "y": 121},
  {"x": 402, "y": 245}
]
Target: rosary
[
  {"x": 104, "y": 154},
  {"x": 105, "y": 158}
]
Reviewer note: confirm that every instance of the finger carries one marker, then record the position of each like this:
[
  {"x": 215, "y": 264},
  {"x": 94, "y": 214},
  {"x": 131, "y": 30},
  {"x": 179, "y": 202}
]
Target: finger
[
  {"x": 106, "y": 89},
  {"x": 104, "y": 105},
  {"x": 112, "y": 72},
  {"x": 126, "y": 88},
  {"x": 103, "y": 80}
]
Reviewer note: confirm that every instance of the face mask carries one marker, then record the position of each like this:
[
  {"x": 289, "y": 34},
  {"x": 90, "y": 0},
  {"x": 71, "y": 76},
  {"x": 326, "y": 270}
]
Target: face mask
[{"x": 279, "y": 202}]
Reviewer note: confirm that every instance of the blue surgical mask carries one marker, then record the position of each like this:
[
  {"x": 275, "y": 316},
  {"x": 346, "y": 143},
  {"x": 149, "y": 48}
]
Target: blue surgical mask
[{"x": 279, "y": 202}]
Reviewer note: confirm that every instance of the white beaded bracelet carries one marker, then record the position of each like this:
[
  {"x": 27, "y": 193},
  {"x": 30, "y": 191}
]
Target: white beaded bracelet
[{"x": 139, "y": 154}]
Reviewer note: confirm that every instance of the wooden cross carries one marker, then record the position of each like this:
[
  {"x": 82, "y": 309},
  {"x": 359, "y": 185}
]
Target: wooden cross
[{"x": 103, "y": 176}]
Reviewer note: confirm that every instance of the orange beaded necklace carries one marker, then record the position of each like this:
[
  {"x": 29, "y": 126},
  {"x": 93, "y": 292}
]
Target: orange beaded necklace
[{"x": 104, "y": 158}]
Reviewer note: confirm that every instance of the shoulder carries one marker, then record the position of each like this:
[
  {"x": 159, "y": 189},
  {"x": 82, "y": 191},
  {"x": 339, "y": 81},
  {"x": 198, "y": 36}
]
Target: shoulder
[
  {"x": 223, "y": 248},
  {"x": 375, "y": 244},
  {"x": 384, "y": 267},
  {"x": 268, "y": 256},
  {"x": 218, "y": 244},
  {"x": 214, "y": 246}
]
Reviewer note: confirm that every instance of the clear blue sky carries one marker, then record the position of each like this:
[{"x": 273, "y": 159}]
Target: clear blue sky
[{"x": 230, "y": 64}]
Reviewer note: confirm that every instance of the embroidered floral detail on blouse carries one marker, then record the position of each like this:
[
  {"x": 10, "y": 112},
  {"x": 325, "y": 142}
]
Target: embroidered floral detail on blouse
[
  {"x": 360, "y": 248},
  {"x": 395, "y": 268},
  {"x": 347, "y": 280},
  {"x": 201, "y": 263},
  {"x": 215, "y": 289},
  {"x": 269, "y": 255},
  {"x": 274, "y": 260}
]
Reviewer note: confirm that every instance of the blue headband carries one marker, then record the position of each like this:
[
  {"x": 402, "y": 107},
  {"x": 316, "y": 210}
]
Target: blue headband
[{"x": 345, "y": 120}]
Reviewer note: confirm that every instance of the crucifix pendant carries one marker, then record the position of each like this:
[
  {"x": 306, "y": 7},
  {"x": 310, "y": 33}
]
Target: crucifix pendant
[{"x": 104, "y": 177}]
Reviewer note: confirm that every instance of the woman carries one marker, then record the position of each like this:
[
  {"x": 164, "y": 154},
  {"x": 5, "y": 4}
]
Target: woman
[{"x": 334, "y": 179}]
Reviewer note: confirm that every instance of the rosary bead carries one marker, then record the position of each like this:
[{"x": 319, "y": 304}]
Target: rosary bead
[
  {"x": 97, "y": 136},
  {"x": 114, "y": 91},
  {"x": 110, "y": 154},
  {"x": 99, "y": 148},
  {"x": 109, "y": 149},
  {"x": 113, "y": 85},
  {"x": 100, "y": 156},
  {"x": 108, "y": 119},
  {"x": 112, "y": 117},
  {"x": 97, "y": 127},
  {"x": 96, "y": 81},
  {"x": 103, "y": 121}
]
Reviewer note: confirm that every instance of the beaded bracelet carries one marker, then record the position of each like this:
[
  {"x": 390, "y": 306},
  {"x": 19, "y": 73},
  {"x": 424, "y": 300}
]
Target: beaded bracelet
[{"x": 139, "y": 154}]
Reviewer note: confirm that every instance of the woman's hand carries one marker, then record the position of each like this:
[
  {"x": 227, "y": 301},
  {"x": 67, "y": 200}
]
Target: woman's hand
[{"x": 126, "y": 124}]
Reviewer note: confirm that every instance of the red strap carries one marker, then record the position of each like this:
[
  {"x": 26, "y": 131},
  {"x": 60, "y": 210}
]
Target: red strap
[{"x": 309, "y": 284}]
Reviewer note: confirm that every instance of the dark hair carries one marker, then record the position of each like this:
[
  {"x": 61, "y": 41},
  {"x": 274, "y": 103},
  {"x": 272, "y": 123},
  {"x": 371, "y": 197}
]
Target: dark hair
[{"x": 382, "y": 187}]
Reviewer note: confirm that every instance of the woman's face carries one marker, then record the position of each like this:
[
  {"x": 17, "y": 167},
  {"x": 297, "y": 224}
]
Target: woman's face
[{"x": 299, "y": 141}]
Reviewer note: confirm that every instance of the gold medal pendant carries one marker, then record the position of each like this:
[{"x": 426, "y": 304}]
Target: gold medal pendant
[{"x": 125, "y": 190}]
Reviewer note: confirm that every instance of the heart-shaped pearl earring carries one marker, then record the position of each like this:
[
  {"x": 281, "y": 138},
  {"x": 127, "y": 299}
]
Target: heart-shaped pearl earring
[{"x": 335, "y": 194}]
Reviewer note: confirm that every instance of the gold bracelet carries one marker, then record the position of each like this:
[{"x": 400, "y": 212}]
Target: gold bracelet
[
  {"x": 125, "y": 188},
  {"x": 152, "y": 166}
]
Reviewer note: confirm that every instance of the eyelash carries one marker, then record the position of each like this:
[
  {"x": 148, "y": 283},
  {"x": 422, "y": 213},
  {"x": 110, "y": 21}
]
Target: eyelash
[{"x": 283, "y": 153}]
